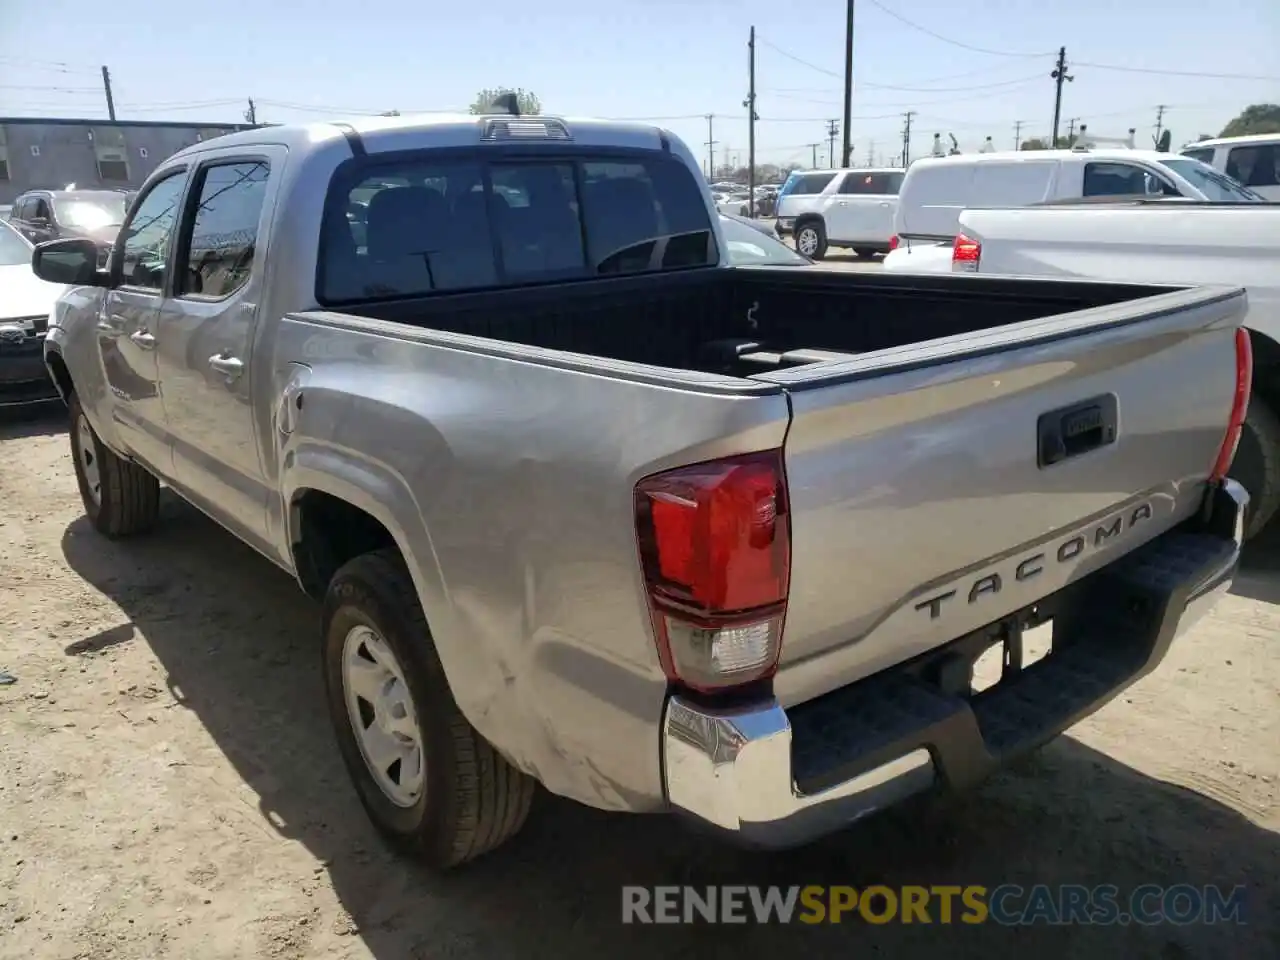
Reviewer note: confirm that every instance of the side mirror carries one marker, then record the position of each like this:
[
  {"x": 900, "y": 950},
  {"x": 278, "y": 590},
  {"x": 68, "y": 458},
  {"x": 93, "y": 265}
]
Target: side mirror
[{"x": 72, "y": 262}]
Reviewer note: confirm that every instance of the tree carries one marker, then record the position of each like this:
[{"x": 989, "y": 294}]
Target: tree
[
  {"x": 1258, "y": 118},
  {"x": 1035, "y": 143},
  {"x": 528, "y": 100}
]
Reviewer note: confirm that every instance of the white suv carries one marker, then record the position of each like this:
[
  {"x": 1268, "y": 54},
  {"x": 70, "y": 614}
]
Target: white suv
[{"x": 840, "y": 208}]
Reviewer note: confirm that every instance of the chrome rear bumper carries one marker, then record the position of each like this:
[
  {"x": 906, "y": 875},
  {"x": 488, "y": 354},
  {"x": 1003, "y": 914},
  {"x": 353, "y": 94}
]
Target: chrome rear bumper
[{"x": 775, "y": 778}]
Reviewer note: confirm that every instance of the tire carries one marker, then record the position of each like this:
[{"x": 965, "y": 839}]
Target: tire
[
  {"x": 866, "y": 253},
  {"x": 470, "y": 799},
  {"x": 811, "y": 233},
  {"x": 1257, "y": 464},
  {"x": 120, "y": 497}
]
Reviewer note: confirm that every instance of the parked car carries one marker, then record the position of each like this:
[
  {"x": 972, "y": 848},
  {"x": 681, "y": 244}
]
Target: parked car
[
  {"x": 937, "y": 190},
  {"x": 1253, "y": 161},
  {"x": 1158, "y": 242},
  {"x": 41, "y": 215},
  {"x": 25, "y": 304},
  {"x": 839, "y": 208},
  {"x": 587, "y": 506},
  {"x": 749, "y": 242}
]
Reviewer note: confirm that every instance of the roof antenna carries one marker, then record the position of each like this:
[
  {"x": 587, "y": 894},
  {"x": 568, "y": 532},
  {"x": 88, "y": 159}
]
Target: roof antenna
[{"x": 508, "y": 103}]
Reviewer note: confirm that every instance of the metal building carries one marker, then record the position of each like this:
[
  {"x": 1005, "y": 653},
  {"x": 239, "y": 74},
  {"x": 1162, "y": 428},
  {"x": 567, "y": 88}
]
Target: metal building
[{"x": 50, "y": 153}]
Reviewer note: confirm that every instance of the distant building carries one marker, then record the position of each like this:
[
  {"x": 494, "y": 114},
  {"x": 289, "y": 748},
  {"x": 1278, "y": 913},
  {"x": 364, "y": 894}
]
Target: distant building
[{"x": 50, "y": 153}]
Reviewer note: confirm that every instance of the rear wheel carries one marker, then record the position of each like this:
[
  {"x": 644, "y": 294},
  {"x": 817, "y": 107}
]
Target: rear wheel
[
  {"x": 811, "y": 239},
  {"x": 120, "y": 497},
  {"x": 430, "y": 783},
  {"x": 1257, "y": 464}
]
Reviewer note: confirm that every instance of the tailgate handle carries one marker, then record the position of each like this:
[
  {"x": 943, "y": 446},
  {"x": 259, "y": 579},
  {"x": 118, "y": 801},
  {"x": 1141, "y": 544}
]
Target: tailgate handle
[{"x": 1071, "y": 431}]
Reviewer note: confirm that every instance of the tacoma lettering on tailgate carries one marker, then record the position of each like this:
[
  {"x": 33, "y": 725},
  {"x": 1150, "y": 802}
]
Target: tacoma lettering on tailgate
[{"x": 1028, "y": 567}]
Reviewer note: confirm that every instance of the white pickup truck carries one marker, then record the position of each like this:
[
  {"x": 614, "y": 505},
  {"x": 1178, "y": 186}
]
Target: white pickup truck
[{"x": 1159, "y": 242}]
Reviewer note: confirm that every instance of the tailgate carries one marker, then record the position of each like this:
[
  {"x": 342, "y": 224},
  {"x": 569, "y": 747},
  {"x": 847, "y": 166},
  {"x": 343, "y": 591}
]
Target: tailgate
[{"x": 922, "y": 505}]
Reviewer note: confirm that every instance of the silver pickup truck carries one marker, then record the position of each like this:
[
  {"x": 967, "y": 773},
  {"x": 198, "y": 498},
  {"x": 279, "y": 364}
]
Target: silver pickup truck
[{"x": 588, "y": 507}]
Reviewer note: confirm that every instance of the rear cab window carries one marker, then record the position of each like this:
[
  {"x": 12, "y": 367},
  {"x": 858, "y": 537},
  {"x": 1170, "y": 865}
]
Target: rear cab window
[{"x": 427, "y": 222}]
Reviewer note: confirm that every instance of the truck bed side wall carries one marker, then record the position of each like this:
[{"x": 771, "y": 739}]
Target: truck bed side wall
[{"x": 508, "y": 486}]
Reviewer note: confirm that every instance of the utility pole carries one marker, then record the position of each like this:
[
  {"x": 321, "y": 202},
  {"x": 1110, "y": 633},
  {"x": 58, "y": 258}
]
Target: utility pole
[
  {"x": 1160, "y": 121},
  {"x": 833, "y": 127},
  {"x": 711, "y": 146},
  {"x": 814, "y": 147},
  {"x": 1059, "y": 75},
  {"x": 251, "y": 115},
  {"x": 848, "y": 87},
  {"x": 1071, "y": 129},
  {"x": 906, "y": 139},
  {"x": 106, "y": 84},
  {"x": 871, "y": 154},
  {"x": 1017, "y": 135},
  {"x": 750, "y": 104}
]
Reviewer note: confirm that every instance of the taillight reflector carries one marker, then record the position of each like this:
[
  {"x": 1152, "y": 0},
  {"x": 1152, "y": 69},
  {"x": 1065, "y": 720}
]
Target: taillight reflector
[
  {"x": 965, "y": 253},
  {"x": 893, "y": 243},
  {"x": 715, "y": 549},
  {"x": 1239, "y": 404}
]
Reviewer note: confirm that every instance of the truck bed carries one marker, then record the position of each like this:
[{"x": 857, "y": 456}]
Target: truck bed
[
  {"x": 907, "y": 408},
  {"x": 752, "y": 321}
]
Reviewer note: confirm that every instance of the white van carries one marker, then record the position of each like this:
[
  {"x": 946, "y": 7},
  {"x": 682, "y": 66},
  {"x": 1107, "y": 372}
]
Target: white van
[
  {"x": 937, "y": 189},
  {"x": 1254, "y": 161},
  {"x": 839, "y": 208}
]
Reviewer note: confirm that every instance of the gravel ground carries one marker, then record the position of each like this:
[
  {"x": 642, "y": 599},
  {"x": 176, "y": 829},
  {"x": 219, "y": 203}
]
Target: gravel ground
[{"x": 169, "y": 787}]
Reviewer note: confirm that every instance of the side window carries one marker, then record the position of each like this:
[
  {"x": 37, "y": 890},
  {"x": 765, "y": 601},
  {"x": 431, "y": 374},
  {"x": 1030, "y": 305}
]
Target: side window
[
  {"x": 810, "y": 184},
  {"x": 878, "y": 184},
  {"x": 149, "y": 233},
  {"x": 222, "y": 237},
  {"x": 40, "y": 210},
  {"x": 21, "y": 210},
  {"x": 1204, "y": 155},
  {"x": 1255, "y": 166},
  {"x": 1121, "y": 180}
]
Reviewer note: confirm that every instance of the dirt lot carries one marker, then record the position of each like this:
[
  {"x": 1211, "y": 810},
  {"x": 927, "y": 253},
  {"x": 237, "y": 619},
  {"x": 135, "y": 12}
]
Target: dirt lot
[{"x": 169, "y": 786}]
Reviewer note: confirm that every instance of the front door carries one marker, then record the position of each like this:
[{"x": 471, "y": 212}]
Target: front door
[
  {"x": 127, "y": 322},
  {"x": 206, "y": 332}
]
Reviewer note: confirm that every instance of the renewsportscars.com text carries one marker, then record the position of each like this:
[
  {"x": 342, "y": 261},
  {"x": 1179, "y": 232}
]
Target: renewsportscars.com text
[{"x": 1006, "y": 905}]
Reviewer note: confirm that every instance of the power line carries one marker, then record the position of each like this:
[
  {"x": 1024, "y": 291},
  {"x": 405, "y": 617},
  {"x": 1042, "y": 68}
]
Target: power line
[
  {"x": 955, "y": 43},
  {"x": 1177, "y": 73},
  {"x": 905, "y": 103}
]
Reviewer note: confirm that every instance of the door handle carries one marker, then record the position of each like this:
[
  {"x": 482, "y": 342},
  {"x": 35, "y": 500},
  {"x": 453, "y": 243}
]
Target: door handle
[
  {"x": 229, "y": 367},
  {"x": 143, "y": 339}
]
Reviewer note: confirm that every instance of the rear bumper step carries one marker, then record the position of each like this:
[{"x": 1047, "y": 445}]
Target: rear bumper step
[{"x": 776, "y": 778}]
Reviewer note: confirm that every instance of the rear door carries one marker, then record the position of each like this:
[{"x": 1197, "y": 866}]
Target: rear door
[
  {"x": 206, "y": 337},
  {"x": 862, "y": 212},
  {"x": 923, "y": 506}
]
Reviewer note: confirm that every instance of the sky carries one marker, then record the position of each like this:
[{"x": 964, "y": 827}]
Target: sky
[{"x": 970, "y": 69}]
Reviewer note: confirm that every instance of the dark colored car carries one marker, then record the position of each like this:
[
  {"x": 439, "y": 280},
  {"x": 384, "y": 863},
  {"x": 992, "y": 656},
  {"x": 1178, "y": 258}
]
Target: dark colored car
[{"x": 41, "y": 215}]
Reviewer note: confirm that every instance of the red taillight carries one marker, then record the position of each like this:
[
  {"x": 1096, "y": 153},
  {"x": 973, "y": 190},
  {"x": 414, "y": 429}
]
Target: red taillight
[
  {"x": 715, "y": 548},
  {"x": 893, "y": 243},
  {"x": 1239, "y": 404},
  {"x": 965, "y": 253}
]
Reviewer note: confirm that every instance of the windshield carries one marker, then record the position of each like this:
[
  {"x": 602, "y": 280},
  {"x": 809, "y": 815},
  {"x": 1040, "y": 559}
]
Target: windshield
[
  {"x": 1218, "y": 187},
  {"x": 91, "y": 214},
  {"x": 747, "y": 245},
  {"x": 13, "y": 249}
]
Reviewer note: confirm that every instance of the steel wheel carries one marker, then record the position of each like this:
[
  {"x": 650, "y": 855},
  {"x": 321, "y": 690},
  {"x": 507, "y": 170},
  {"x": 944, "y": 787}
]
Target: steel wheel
[
  {"x": 87, "y": 451},
  {"x": 382, "y": 716}
]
